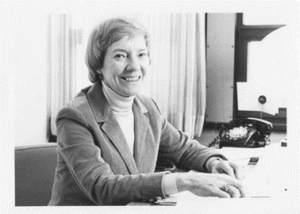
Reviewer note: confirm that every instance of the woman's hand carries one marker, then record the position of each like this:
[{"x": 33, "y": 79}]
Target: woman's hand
[
  {"x": 228, "y": 167},
  {"x": 210, "y": 185}
]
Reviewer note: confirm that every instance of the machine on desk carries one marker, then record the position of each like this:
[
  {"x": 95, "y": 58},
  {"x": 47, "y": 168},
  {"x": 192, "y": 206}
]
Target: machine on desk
[{"x": 250, "y": 132}]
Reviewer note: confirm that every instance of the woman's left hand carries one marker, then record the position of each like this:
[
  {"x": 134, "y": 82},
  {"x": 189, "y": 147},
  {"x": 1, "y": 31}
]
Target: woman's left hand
[{"x": 228, "y": 167}]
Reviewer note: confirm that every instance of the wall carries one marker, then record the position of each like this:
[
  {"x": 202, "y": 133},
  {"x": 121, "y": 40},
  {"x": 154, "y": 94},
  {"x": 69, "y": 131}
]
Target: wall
[
  {"x": 220, "y": 66},
  {"x": 25, "y": 43}
]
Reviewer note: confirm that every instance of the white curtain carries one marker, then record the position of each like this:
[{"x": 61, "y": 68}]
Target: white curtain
[
  {"x": 178, "y": 78},
  {"x": 63, "y": 41}
]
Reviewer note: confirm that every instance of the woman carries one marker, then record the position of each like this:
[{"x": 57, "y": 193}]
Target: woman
[{"x": 109, "y": 136}]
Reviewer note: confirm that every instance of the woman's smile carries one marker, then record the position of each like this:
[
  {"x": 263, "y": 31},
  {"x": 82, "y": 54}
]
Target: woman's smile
[{"x": 131, "y": 79}]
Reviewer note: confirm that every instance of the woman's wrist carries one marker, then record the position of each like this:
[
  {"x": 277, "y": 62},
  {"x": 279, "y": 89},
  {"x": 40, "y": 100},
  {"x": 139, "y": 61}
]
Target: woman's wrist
[{"x": 183, "y": 182}]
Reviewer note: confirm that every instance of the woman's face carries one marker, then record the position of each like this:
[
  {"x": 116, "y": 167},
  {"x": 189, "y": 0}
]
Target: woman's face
[{"x": 125, "y": 64}]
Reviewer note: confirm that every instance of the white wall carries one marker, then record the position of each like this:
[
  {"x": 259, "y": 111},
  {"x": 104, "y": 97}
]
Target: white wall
[{"x": 24, "y": 39}]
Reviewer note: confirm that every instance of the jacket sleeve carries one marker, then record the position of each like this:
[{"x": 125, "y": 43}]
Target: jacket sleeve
[
  {"x": 185, "y": 153},
  {"x": 90, "y": 171}
]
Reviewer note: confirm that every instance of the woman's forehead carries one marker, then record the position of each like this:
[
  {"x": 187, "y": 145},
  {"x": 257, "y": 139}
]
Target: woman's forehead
[{"x": 136, "y": 42}]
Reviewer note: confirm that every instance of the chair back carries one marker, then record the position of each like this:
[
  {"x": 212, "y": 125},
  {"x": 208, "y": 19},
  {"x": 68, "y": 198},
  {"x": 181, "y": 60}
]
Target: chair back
[{"x": 34, "y": 174}]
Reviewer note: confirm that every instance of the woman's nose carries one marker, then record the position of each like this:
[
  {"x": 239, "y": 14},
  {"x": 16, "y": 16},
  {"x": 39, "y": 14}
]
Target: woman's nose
[{"x": 133, "y": 64}]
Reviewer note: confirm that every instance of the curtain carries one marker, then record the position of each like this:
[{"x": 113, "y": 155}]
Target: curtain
[
  {"x": 177, "y": 80},
  {"x": 63, "y": 41}
]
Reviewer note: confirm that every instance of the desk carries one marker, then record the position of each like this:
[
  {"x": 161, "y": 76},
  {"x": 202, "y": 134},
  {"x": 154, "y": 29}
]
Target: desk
[
  {"x": 269, "y": 177},
  {"x": 268, "y": 182}
]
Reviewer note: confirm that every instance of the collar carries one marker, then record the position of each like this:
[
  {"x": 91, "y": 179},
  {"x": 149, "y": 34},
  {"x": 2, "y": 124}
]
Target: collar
[{"x": 101, "y": 107}]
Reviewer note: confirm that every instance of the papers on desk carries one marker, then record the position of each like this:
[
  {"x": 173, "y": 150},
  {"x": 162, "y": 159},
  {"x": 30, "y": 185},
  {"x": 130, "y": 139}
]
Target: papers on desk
[
  {"x": 269, "y": 182},
  {"x": 265, "y": 179},
  {"x": 242, "y": 155},
  {"x": 256, "y": 183}
]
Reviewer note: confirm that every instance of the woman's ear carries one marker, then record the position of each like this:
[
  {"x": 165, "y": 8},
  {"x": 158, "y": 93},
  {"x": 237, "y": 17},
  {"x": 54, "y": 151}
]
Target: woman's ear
[{"x": 99, "y": 71}]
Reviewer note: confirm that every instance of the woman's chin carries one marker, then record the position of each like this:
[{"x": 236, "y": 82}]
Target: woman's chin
[{"x": 130, "y": 92}]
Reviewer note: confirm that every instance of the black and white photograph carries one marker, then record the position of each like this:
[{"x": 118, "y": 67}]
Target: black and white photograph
[{"x": 150, "y": 106}]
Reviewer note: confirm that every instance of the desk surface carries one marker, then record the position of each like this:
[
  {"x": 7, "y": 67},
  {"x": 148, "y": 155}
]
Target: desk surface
[
  {"x": 269, "y": 177},
  {"x": 268, "y": 181}
]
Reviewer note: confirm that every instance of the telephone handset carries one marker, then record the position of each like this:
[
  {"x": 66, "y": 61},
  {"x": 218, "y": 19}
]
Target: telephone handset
[{"x": 250, "y": 132}]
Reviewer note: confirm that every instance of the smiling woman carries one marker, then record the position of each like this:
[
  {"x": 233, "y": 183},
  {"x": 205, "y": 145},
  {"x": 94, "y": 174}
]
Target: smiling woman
[{"x": 109, "y": 136}]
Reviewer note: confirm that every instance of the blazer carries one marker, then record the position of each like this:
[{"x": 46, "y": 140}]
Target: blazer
[{"x": 95, "y": 165}]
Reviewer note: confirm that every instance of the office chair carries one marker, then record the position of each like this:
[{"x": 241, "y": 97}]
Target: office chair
[{"x": 34, "y": 174}]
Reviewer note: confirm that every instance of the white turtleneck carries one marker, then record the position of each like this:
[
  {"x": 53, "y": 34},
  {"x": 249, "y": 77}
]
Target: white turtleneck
[{"x": 122, "y": 109}]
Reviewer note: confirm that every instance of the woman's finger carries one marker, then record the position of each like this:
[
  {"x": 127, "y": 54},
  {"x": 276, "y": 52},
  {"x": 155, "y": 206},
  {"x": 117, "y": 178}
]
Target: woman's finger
[
  {"x": 239, "y": 186},
  {"x": 221, "y": 193},
  {"x": 238, "y": 170},
  {"x": 224, "y": 167},
  {"x": 232, "y": 191}
]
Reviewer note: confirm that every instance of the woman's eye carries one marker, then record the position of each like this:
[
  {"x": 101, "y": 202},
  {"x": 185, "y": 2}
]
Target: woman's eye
[
  {"x": 142, "y": 54},
  {"x": 120, "y": 56}
]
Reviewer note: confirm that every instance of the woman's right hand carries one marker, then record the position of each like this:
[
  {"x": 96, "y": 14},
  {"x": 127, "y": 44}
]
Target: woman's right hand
[{"x": 211, "y": 185}]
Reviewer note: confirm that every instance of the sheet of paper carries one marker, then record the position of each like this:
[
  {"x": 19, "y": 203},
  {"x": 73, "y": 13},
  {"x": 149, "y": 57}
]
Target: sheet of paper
[{"x": 241, "y": 154}]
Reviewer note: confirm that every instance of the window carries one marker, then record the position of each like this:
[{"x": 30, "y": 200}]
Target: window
[{"x": 263, "y": 47}]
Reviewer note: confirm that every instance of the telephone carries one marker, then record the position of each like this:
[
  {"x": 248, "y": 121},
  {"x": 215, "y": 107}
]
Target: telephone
[{"x": 250, "y": 132}]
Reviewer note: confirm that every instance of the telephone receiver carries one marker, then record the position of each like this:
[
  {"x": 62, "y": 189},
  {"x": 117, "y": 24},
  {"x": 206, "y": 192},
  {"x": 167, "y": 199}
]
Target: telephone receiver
[{"x": 249, "y": 132}]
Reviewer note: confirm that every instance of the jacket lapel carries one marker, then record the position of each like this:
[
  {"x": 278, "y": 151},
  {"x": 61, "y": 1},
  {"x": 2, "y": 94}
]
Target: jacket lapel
[
  {"x": 109, "y": 125},
  {"x": 144, "y": 143},
  {"x": 113, "y": 131}
]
